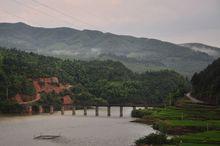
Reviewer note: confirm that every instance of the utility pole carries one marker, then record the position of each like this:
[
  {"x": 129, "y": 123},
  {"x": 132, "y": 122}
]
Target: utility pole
[
  {"x": 207, "y": 126},
  {"x": 6, "y": 81},
  {"x": 7, "y": 92}
]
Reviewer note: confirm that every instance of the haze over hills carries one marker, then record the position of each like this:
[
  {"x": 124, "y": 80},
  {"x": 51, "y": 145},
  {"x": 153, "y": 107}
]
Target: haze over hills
[
  {"x": 138, "y": 54},
  {"x": 210, "y": 50}
]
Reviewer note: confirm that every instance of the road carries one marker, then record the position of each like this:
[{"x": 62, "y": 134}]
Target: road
[
  {"x": 32, "y": 101},
  {"x": 193, "y": 99}
]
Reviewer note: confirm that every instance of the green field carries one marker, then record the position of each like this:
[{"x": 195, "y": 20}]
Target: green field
[
  {"x": 208, "y": 123},
  {"x": 192, "y": 124},
  {"x": 204, "y": 137},
  {"x": 189, "y": 113},
  {"x": 194, "y": 144}
]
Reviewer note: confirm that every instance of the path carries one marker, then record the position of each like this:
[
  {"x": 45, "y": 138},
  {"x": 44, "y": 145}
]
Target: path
[
  {"x": 193, "y": 99},
  {"x": 32, "y": 101}
]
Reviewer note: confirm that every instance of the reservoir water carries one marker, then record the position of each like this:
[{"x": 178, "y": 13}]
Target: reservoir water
[{"x": 76, "y": 130}]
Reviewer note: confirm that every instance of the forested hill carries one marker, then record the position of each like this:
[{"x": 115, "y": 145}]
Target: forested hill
[
  {"x": 206, "y": 84},
  {"x": 106, "y": 80},
  {"x": 138, "y": 54}
]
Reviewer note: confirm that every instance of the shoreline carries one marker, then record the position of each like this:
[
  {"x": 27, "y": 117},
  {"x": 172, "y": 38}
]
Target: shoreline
[{"x": 189, "y": 124}]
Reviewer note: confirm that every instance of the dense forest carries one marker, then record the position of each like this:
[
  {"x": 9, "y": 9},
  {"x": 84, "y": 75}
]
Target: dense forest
[
  {"x": 97, "y": 81},
  {"x": 206, "y": 84}
]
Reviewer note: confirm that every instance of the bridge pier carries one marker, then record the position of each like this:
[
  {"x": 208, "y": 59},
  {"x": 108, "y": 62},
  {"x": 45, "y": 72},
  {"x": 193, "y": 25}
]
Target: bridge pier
[
  {"x": 134, "y": 107},
  {"x": 109, "y": 111},
  {"x": 62, "y": 110},
  {"x": 96, "y": 111},
  {"x": 40, "y": 109},
  {"x": 85, "y": 111},
  {"x": 51, "y": 109},
  {"x": 121, "y": 111},
  {"x": 30, "y": 110},
  {"x": 73, "y": 110}
]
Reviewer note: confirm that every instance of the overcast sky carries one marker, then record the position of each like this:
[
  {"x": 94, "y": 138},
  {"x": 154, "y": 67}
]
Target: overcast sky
[{"x": 177, "y": 21}]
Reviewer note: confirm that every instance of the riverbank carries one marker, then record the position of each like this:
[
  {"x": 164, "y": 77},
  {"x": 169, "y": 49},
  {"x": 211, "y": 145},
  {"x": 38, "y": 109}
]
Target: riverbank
[{"x": 187, "y": 122}]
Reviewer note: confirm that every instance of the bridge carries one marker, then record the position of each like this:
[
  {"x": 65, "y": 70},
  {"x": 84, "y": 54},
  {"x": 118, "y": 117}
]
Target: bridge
[{"x": 85, "y": 107}]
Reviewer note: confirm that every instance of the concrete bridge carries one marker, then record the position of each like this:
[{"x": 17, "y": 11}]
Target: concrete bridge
[{"x": 85, "y": 107}]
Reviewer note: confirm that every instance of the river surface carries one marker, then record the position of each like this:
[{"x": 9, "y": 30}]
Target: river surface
[{"x": 76, "y": 130}]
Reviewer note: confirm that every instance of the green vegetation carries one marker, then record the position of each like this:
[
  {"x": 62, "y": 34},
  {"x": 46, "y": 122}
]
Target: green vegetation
[
  {"x": 50, "y": 99},
  {"x": 192, "y": 144},
  {"x": 195, "y": 124},
  {"x": 10, "y": 107},
  {"x": 83, "y": 96},
  {"x": 97, "y": 81},
  {"x": 139, "y": 113},
  {"x": 206, "y": 84},
  {"x": 204, "y": 137},
  {"x": 210, "y": 138},
  {"x": 157, "y": 139},
  {"x": 179, "y": 121}
]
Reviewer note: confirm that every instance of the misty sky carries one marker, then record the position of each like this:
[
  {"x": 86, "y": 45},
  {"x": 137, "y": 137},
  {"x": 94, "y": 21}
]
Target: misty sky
[{"x": 177, "y": 21}]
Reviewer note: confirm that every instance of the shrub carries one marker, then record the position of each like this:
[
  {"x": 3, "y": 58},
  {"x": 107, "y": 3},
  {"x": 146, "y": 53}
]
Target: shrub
[
  {"x": 27, "y": 87},
  {"x": 162, "y": 127},
  {"x": 152, "y": 139},
  {"x": 10, "y": 107},
  {"x": 50, "y": 99},
  {"x": 140, "y": 113}
]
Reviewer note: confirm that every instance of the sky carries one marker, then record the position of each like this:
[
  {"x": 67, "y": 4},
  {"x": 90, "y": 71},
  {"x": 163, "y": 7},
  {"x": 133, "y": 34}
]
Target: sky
[{"x": 177, "y": 21}]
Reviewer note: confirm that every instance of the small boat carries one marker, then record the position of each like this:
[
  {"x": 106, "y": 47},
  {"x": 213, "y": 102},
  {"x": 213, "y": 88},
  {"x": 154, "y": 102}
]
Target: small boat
[{"x": 46, "y": 137}]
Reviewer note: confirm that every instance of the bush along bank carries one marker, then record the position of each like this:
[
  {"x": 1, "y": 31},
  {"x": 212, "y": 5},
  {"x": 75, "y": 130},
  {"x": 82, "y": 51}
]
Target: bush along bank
[{"x": 196, "y": 124}]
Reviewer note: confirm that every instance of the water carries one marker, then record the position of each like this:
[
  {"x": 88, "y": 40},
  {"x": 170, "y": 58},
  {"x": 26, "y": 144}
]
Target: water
[{"x": 74, "y": 130}]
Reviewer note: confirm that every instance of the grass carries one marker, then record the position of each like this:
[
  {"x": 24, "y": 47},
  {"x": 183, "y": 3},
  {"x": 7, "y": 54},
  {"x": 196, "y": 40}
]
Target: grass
[
  {"x": 189, "y": 120},
  {"x": 194, "y": 144},
  {"x": 181, "y": 117},
  {"x": 198, "y": 123},
  {"x": 204, "y": 137},
  {"x": 186, "y": 113},
  {"x": 167, "y": 113}
]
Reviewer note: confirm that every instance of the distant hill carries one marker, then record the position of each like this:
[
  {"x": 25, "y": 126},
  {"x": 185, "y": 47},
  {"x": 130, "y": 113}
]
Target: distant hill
[
  {"x": 24, "y": 75},
  {"x": 210, "y": 50},
  {"x": 138, "y": 54},
  {"x": 206, "y": 84}
]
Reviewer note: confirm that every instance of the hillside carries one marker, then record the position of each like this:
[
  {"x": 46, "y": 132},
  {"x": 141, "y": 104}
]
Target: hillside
[
  {"x": 138, "y": 54},
  {"x": 24, "y": 75},
  {"x": 210, "y": 50},
  {"x": 206, "y": 84}
]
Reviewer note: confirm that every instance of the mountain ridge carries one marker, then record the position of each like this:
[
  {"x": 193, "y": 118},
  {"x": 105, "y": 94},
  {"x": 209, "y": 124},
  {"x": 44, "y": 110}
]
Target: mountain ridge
[
  {"x": 71, "y": 43},
  {"x": 210, "y": 50}
]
